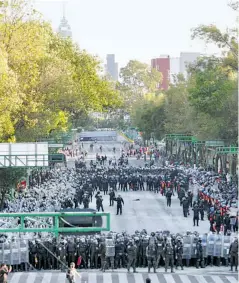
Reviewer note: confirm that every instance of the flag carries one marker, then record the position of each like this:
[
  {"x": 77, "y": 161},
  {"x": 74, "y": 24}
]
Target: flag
[{"x": 79, "y": 261}]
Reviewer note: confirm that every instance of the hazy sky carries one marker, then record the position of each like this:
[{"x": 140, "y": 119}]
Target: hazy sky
[{"x": 138, "y": 29}]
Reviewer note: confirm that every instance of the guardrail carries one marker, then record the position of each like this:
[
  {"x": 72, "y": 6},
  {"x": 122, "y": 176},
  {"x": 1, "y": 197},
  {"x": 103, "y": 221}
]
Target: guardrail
[{"x": 56, "y": 217}]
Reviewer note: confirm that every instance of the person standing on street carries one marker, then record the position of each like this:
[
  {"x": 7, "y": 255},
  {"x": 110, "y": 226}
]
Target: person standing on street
[
  {"x": 71, "y": 273},
  {"x": 196, "y": 210},
  {"x": 233, "y": 252},
  {"x": 119, "y": 201},
  {"x": 168, "y": 196},
  {"x": 4, "y": 271}
]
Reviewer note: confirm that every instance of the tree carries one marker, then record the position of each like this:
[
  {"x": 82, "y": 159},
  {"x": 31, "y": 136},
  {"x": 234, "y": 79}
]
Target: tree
[
  {"x": 8, "y": 181},
  {"x": 51, "y": 80},
  {"x": 179, "y": 116},
  {"x": 148, "y": 116},
  {"x": 226, "y": 41},
  {"x": 212, "y": 90},
  {"x": 138, "y": 79}
]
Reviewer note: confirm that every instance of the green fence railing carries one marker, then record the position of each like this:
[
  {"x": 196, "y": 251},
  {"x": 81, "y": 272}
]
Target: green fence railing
[{"x": 55, "y": 227}]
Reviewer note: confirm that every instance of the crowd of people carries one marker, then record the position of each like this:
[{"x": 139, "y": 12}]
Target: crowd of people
[{"x": 55, "y": 190}]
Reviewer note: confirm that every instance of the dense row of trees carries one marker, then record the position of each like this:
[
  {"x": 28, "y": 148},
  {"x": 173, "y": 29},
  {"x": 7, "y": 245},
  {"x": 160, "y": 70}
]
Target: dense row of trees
[
  {"x": 204, "y": 105},
  {"x": 47, "y": 83}
]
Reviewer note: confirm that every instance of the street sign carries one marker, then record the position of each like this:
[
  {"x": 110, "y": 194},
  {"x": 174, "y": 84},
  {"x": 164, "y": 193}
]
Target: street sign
[
  {"x": 56, "y": 145},
  {"x": 214, "y": 143}
]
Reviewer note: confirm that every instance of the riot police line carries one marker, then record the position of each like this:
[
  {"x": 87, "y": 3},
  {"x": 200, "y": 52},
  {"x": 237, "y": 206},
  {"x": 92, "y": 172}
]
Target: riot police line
[
  {"x": 72, "y": 188},
  {"x": 120, "y": 250}
]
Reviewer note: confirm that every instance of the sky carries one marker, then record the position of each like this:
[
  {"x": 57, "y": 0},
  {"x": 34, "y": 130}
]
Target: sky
[{"x": 138, "y": 29}]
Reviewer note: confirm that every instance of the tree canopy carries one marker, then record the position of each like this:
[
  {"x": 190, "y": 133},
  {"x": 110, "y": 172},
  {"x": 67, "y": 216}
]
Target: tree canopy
[
  {"x": 204, "y": 105},
  {"x": 46, "y": 81}
]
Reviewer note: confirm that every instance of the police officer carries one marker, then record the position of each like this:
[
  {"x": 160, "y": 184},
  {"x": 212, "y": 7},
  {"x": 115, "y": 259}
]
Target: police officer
[
  {"x": 71, "y": 251},
  {"x": 102, "y": 253},
  {"x": 160, "y": 249},
  {"x": 185, "y": 204},
  {"x": 233, "y": 252},
  {"x": 199, "y": 254},
  {"x": 131, "y": 253},
  {"x": 151, "y": 257},
  {"x": 169, "y": 253},
  {"x": 86, "y": 201},
  {"x": 112, "y": 196},
  {"x": 119, "y": 253},
  {"x": 179, "y": 253},
  {"x": 195, "y": 214},
  {"x": 169, "y": 196},
  {"x": 61, "y": 254},
  {"x": 119, "y": 202},
  {"x": 99, "y": 203},
  {"x": 94, "y": 253}
]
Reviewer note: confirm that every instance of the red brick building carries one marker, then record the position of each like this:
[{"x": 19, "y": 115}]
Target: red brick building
[{"x": 162, "y": 64}]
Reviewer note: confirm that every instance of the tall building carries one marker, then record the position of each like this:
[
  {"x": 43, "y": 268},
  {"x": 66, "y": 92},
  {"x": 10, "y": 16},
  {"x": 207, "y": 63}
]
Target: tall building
[
  {"x": 162, "y": 64},
  {"x": 174, "y": 68},
  {"x": 187, "y": 58},
  {"x": 64, "y": 29},
  {"x": 112, "y": 67}
]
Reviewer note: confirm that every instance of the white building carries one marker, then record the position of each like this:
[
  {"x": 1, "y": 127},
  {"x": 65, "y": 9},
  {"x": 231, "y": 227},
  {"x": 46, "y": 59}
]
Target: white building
[
  {"x": 174, "y": 68},
  {"x": 187, "y": 58}
]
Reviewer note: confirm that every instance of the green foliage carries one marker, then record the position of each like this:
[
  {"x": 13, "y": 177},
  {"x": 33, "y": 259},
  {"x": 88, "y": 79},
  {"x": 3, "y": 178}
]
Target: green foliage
[
  {"x": 46, "y": 81},
  {"x": 149, "y": 117},
  {"x": 226, "y": 41},
  {"x": 209, "y": 86},
  {"x": 137, "y": 79},
  {"x": 8, "y": 181}
]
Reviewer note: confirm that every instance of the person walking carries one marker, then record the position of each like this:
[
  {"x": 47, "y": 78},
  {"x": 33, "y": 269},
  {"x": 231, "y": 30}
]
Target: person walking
[
  {"x": 4, "y": 271},
  {"x": 71, "y": 273}
]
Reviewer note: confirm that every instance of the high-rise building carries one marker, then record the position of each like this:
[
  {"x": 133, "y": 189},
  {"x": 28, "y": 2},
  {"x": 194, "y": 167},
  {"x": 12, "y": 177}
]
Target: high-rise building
[
  {"x": 64, "y": 29},
  {"x": 111, "y": 67},
  {"x": 187, "y": 58},
  {"x": 162, "y": 64},
  {"x": 174, "y": 68}
]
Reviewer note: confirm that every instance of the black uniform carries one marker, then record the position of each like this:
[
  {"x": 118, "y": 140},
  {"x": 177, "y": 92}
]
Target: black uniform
[{"x": 119, "y": 202}]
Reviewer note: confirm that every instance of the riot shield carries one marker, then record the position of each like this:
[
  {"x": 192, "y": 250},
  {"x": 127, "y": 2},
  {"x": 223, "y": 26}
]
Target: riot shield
[
  {"x": 193, "y": 248},
  {"x": 218, "y": 246},
  {"x": 24, "y": 251},
  {"x": 7, "y": 253},
  {"x": 187, "y": 247},
  {"x": 15, "y": 252},
  {"x": 204, "y": 246},
  {"x": 226, "y": 246},
  {"x": 210, "y": 244},
  {"x": 110, "y": 247}
]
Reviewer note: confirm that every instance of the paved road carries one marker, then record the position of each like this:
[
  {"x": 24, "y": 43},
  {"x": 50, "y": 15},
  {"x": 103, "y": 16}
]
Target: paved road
[
  {"x": 123, "y": 277},
  {"x": 144, "y": 209}
]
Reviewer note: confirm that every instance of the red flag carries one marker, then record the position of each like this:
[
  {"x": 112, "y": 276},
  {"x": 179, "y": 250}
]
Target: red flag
[{"x": 79, "y": 261}]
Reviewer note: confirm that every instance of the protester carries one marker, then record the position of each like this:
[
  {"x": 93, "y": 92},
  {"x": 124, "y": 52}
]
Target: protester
[{"x": 4, "y": 271}]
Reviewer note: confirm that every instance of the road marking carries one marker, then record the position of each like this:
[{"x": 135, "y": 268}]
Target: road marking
[
  {"x": 31, "y": 278},
  {"x": 201, "y": 279},
  {"x": 92, "y": 278},
  {"x": 16, "y": 277},
  {"x": 184, "y": 278},
  {"x": 138, "y": 278},
  {"x": 106, "y": 278},
  {"x": 47, "y": 277},
  {"x": 122, "y": 277},
  {"x": 169, "y": 278},
  {"x": 231, "y": 279}
]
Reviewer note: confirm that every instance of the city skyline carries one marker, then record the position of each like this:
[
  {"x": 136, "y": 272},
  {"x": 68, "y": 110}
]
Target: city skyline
[{"x": 104, "y": 31}]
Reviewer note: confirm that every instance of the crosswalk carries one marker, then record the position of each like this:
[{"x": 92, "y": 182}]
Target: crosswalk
[{"x": 121, "y": 277}]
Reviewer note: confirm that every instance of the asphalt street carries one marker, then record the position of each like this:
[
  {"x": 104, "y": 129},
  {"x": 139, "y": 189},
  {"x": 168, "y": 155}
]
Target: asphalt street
[
  {"x": 190, "y": 276},
  {"x": 143, "y": 209}
]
